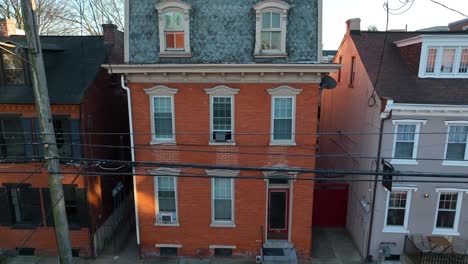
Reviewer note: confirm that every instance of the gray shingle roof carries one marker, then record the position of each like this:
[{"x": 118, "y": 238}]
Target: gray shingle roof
[{"x": 71, "y": 62}]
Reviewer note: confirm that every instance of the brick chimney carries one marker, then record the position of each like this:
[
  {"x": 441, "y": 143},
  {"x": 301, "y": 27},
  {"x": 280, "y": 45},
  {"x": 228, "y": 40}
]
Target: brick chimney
[
  {"x": 7, "y": 27},
  {"x": 460, "y": 25},
  {"x": 353, "y": 24},
  {"x": 115, "y": 38}
]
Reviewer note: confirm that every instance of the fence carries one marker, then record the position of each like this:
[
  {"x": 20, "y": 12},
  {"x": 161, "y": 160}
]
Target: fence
[{"x": 418, "y": 257}]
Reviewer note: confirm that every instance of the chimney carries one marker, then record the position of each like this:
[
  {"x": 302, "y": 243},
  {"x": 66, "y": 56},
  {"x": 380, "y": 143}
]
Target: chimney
[
  {"x": 115, "y": 39},
  {"x": 460, "y": 25},
  {"x": 109, "y": 31},
  {"x": 353, "y": 24},
  {"x": 7, "y": 27}
]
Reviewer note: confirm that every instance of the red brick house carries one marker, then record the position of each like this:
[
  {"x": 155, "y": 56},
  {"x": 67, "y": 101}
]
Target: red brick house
[
  {"x": 83, "y": 100},
  {"x": 223, "y": 99}
]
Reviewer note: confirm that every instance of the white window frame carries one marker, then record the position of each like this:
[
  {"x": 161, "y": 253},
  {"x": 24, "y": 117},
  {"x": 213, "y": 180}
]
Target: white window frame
[
  {"x": 217, "y": 174},
  {"x": 283, "y": 92},
  {"x": 275, "y": 6},
  {"x": 165, "y": 172},
  {"x": 417, "y": 131},
  {"x": 222, "y": 91},
  {"x": 161, "y": 91},
  {"x": 440, "y": 46},
  {"x": 449, "y": 231},
  {"x": 462, "y": 163},
  {"x": 399, "y": 229},
  {"x": 174, "y": 6}
]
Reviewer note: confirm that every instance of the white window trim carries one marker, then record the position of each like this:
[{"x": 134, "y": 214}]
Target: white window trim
[
  {"x": 399, "y": 229},
  {"x": 161, "y": 91},
  {"x": 223, "y": 173},
  {"x": 222, "y": 91},
  {"x": 165, "y": 172},
  {"x": 440, "y": 46},
  {"x": 449, "y": 231},
  {"x": 418, "y": 123},
  {"x": 222, "y": 246},
  {"x": 271, "y": 6},
  {"x": 283, "y": 92},
  {"x": 459, "y": 163},
  {"x": 168, "y": 245},
  {"x": 178, "y": 6}
]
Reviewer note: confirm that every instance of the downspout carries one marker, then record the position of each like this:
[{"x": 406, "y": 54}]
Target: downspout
[
  {"x": 132, "y": 151},
  {"x": 384, "y": 116}
]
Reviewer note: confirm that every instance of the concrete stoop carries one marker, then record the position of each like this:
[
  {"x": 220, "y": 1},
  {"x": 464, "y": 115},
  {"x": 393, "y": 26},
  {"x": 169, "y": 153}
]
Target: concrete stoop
[{"x": 279, "y": 252}]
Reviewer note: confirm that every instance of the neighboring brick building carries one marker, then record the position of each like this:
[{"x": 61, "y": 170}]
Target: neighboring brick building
[
  {"x": 83, "y": 100},
  {"x": 212, "y": 84}
]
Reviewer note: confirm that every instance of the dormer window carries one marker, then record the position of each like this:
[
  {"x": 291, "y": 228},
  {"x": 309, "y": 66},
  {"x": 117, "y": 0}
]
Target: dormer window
[
  {"x": 271, "y": 21},
  {"x": 444, "y": 62},
  {"x": 174, "y": 28},
  {"x": 13, "y": 69}
]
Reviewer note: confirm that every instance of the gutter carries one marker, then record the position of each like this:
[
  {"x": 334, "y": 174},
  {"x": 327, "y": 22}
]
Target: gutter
[
  {"x": 132, "y": 151},
  {"x": 385, "y": 114}
]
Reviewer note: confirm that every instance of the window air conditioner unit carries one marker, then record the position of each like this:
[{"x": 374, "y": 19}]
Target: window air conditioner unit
[
  {"x": 166, "y": 217},
  {"x": 220, "y": 136}
]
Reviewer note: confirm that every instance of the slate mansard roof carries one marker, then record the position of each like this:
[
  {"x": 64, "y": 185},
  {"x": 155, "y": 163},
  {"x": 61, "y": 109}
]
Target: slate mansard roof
[
  {"x": 71, "y": 63},
  {"x": 397, "y": 80}
]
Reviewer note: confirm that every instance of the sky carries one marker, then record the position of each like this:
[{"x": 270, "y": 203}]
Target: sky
[{"x": 422, "y": 14}]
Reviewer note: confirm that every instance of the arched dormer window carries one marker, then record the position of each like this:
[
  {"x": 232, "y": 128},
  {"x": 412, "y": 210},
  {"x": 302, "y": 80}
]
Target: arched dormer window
[
  {"x": 174, "y": 28},
  {"x": 271, "y": 22}
]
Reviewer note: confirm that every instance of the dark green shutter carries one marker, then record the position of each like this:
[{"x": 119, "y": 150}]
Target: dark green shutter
[
  {"x": 75, "y": 138},
  {"x": 28, "y": 140},
  {"x": 48, "y": 207},
  {"x": 31, "y": 204},
  {"x": 5, "y": 214},
  {"x": 82, "y": 207},
  {"x": 40, "y": 145}
]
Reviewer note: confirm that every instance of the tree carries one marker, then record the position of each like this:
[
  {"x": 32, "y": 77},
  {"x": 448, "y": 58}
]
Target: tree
[
  {"x": 68, "y": 17},
  {"x": 372, "y": 28}
]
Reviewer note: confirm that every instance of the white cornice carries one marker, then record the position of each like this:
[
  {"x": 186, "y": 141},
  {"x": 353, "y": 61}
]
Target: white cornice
[
  {"x": 223, "y": 73},
  {"x": 172, "y": 4},
  {"x": 284, "y": 90},
  {"x": 271, "y": 4},
  {"x": 221, "y": 90},
  {"x": 164, "y": 172},
  {"x": 222, "y": 173},
  {"x": 435, "y": 39},
  {"x": 429, "y": 110},
  {"x": 161, "y": 90},
  {"x": 408, "y": 41}
]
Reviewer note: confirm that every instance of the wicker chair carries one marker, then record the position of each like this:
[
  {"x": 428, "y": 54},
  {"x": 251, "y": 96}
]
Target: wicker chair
[
  {"x": 459, "y": 245},
  {"x": 418, "y": 241}
]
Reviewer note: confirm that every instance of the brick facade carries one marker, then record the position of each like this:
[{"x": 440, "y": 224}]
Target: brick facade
[{"x": 252, "y": 121}]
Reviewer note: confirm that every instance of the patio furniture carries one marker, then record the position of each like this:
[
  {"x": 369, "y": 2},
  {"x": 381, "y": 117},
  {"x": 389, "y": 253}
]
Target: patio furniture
[
  {"x": 459, "y": 245},
  {"x": 439, "y": 242},
  {"x": 418, "y": 241}
]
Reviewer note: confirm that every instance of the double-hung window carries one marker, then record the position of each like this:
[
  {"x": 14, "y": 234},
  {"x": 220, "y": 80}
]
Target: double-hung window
[
  {"x": 397, "y": 213},
  {"x": 456, "y": 152},
  {"x": 222, "y": 114},
  {"x": 174, "y": 28},
  {"x": 405, "y": 146},
  {"x": 13, "y": 69},
  {"x": 222, "y": 197},
  {"x": 25, "y": 206},
  {"x": 283, "y": 118},
  {"x": 165, "y": 189},
  {"x": 448, "y": 211},
  {"x": 271, "y": 20},
  {"x": 162, "y": 114},
  {"x": 438, "y": 61},
  {"x": 11, "y": 138}
]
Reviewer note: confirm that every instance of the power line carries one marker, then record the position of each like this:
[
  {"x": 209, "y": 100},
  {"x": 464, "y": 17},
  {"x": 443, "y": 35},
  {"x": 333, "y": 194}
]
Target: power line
[{"x": 449, "y": 8}]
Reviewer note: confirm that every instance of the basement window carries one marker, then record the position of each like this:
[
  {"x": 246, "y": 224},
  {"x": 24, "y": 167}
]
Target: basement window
[
  {"x": 223, "y": 252},
  {"x": 168, "y": 252}
]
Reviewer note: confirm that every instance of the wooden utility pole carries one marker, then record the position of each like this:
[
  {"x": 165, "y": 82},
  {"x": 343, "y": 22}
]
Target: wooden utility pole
[{"x": 41, "y": 93}]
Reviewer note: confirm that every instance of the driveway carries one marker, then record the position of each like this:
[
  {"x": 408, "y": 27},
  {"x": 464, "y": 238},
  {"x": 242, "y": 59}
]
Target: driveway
[{"x": 333, "y": 246}]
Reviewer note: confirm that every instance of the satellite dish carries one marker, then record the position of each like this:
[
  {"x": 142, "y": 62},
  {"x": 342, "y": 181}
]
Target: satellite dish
[{"x": 327, "y": 82}]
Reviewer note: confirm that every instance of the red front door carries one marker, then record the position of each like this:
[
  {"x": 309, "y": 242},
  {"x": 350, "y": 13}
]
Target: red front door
[{"x": 278, "y": 213}]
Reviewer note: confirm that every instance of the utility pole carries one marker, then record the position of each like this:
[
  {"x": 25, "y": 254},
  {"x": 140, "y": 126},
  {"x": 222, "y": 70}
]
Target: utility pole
[{"x": 47, "y": 128}]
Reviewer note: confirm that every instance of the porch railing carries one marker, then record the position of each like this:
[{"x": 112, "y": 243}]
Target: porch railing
[{"x": 418, "y": 257}]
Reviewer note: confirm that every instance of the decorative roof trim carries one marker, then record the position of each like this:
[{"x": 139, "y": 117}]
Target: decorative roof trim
[
  {"x": 284, "y": 90},
  {"x": 271, "y": 4},
  {"x": 452, "y": 190},
  {"x": 408, "y": 41},
  {"x": 429, "y": 110},
  {"x": 222, "y": 90},
  {"x": 161, "y": 90},
  {"x": 223, "y": 173},
  {"x": 172, "y": 4},
  {"x": 164, "y": 172}
]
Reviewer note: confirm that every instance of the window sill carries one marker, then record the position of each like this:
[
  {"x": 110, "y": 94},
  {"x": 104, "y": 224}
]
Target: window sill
[
  {"x": 284, "y": 143},
  {"x": 175, "y": 54},
  {"x": 159, "y": 142},
  {"x": 395, "y": 230},
  {"x": 166, "y": 224},
  {"x": 460, "y": 163},
  {"x": 270, "y": 55},
  {"x": 214, "y": 143},
  {"x": 445, "y": 232},
  {"x": 404, "y": 162},
  {"x": 215, "y": 224}
]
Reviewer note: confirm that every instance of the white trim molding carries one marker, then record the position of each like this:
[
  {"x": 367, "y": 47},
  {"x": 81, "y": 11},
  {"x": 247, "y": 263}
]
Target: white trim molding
[
  {"x": 127, "y": 32},
  {"x": 224, "y": 73},
  {"x": 219, "y": 174},
  {"x": 174, "y": 6},
  {"x": 169, "y": 173},
  {"x": 284, "y": 91},
  {"x": 161, "y": 91},
  {"x": 168, "y": 245},
  {"x": 455, "y": 162},
  {"x": 404, "y": 228},
  {"x": 449, "y": 231},
  {"x": 399, "y": 109},
  {"x": 222, "y": 246},
  {"x": 222, "y": 90},
  {"x": 275, "y": 6},
  {"x": 417, "y": 124}
]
